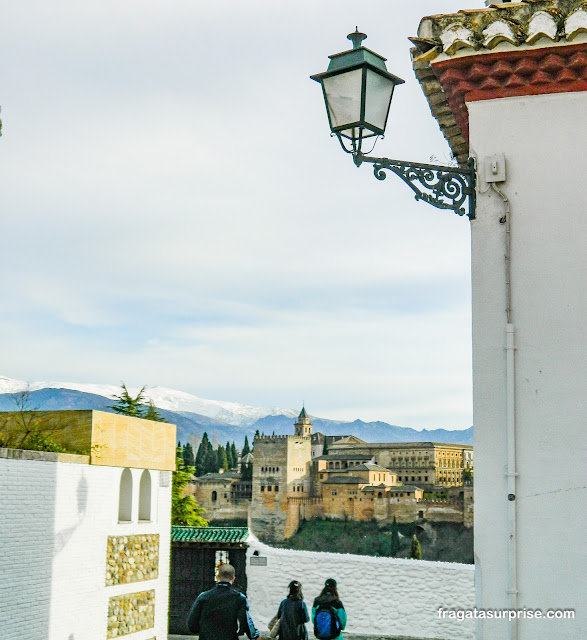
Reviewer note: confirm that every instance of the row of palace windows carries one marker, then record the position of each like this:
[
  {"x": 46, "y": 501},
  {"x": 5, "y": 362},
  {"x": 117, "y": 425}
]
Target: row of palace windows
[
  {"x": 269, "y": 469},
  {"x": 125, "y": 497},
  {"x": 410, "y": 463},
  {"x": 412, "y": 478},
  {"x": 343, "y": 465},
  {"x": 268, "y": 487},
  {"x": 450, "y": 474}
]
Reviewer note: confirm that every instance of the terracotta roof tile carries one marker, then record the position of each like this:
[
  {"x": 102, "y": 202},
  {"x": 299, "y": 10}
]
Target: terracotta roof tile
[{"x": 474, "y": 34}]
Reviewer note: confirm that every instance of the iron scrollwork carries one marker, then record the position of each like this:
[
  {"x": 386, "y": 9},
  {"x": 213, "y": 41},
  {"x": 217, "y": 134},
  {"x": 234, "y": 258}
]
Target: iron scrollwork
[{"x": 441, "y": 186}]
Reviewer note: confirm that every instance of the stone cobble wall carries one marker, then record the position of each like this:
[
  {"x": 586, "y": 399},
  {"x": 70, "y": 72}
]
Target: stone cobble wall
[
  {"x": 130, "y": 613},
  {"x": 132, "y": 559}
]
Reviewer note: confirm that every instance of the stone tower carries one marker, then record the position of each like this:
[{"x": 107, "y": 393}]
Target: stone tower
[
  {"x": 303, "y": 426},
  {"x": 281, "y": 478}
]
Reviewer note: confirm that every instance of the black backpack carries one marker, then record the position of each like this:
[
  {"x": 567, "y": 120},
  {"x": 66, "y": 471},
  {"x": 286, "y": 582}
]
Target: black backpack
[{"x": 326, "y": 623}]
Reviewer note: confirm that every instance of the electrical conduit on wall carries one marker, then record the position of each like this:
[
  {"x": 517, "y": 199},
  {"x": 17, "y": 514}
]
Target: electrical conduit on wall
[{"x": 510, "y": 400}]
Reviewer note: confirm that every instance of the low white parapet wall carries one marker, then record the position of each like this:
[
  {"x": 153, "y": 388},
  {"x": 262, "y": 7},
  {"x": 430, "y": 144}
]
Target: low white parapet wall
[{"x": 382, "y": 596}]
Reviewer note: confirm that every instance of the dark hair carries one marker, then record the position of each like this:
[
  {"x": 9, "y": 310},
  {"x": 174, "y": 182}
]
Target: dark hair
[
  {"x": 330, "y": 588},
  {"x": 295, "y": 590}
]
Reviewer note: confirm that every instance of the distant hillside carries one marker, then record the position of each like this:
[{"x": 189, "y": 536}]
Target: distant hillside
[{"x": 191, "y": 426}]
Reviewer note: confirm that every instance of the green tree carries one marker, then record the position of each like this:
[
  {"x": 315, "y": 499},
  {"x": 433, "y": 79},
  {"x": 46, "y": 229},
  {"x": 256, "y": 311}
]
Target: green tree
[
  {"x": 234, "y": 455},
  {"x": 211, "y": 461},
  {"x": 188, "y": 455},
  {"x": 203, "y": 456},
  {"x": 246, "y": 470},
  {"x": 221, "y": 459},
  {"x": 415, "y": 550},
  {"x": 229, "y": 455},
  {"x": 324, "y": 448},
  {"x": 246, "y": 448},
  {"x": 152, "y": 413},
  {"x": 185, "y": 511},
  {"x": 394, "y": 544},
  {"x": 129, "y": 406}
]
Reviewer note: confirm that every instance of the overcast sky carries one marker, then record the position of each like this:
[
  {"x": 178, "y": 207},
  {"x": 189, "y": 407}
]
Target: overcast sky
[{"x": 175, "y": 213}]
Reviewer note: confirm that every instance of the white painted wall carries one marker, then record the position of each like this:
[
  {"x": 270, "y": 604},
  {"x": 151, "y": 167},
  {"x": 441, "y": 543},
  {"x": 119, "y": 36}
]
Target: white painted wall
[
  {"x": 544, "y": 139},
  {"x": 55, "y": 520},
  {"x": 384, "y": 596}
]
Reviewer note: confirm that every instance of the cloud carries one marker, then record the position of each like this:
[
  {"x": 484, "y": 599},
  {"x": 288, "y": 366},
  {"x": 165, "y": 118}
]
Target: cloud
[{"x": 175, "y": 213}]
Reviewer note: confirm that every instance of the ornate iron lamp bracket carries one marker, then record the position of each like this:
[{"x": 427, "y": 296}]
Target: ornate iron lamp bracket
[{"x": 438, "y": 185}]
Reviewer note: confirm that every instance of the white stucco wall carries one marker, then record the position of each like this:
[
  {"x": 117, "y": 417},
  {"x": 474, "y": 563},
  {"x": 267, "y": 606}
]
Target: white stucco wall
[
  {"x": 385, "y": 596},
  {"x": 544, "y": 140},
  {"x": 55, "y": 521}
]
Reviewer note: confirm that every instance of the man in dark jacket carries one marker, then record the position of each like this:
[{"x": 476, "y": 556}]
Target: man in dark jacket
[{"x": 223, "y": 612}]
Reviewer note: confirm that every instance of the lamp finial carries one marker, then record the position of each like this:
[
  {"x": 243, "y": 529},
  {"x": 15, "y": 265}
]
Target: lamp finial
[{"x": 356, "y": 38}]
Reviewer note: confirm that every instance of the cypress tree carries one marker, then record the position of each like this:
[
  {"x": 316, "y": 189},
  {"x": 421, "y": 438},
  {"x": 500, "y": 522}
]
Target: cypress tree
[
  {"x": 395, "y": 544},
  {"x": 201, "y": 455},
  {"x": 188, "y": 455},
  {"x": 246, "y": 448},
  {"x": 228, "y": 451},
  {"x": 211, "y": 460},
  {"x": 234, "y": 455},
  {"x": 221, "y": 459},
  {"x": 246, "y": 471},
  {"x": 415, "y": 550}
]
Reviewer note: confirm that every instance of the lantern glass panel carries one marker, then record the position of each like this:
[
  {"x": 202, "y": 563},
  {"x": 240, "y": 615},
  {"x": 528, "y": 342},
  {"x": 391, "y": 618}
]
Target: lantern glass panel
[
  {"x": 343, "y": 97},
  {"x": 378, "y": 98}
]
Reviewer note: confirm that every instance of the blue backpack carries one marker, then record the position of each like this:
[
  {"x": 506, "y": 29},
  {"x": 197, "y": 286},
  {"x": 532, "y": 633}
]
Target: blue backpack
[{"x": 326, "y": 623}]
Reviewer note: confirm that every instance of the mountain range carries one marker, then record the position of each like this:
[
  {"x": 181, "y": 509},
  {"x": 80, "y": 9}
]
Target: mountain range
[{"x": 223, "y": 421}]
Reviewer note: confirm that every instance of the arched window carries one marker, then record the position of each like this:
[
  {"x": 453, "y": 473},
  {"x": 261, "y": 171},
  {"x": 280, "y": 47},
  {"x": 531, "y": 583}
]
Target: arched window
[
  {"x": 380, "y": 494},
  {"x": 214, "y": 496},
  {"x": 125, "y": 497},
  {"x": 145, "y": 497}
]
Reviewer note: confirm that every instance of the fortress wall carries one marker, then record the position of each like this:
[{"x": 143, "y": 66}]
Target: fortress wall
[{"x": 269, "y": 509}]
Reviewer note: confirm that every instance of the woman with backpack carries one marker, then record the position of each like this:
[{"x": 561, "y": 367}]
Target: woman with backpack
[
  {"x": 328, "y": 614},
  {"x": 292, "y": 615}
]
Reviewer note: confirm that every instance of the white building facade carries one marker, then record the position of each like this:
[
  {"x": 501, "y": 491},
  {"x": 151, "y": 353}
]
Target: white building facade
[
  {"x": 84, "y": 548},
  {"x": 508, "y": 85}
]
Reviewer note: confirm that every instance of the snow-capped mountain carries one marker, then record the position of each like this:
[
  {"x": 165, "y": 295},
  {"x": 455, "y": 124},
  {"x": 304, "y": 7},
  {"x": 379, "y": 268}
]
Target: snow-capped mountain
[
  {"x": 232, "y": 413},
  {"x": 223, "y": 421}
]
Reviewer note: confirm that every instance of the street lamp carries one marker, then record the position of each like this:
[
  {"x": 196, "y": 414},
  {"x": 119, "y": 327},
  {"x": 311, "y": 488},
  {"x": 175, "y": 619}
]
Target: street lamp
[{"x": 357, "y": 91}]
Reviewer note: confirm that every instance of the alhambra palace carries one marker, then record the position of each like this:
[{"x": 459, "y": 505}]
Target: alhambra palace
[{"x": 310, "y": 475}]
